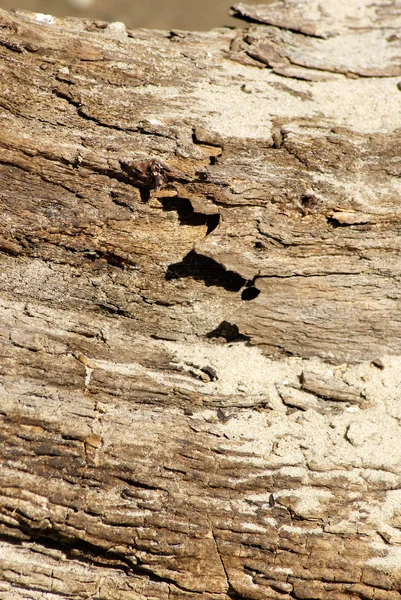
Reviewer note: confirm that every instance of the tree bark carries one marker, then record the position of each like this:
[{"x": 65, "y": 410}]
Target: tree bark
[{"x": 200, "y": 307}]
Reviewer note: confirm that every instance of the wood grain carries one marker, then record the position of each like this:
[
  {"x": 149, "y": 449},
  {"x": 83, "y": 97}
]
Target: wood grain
[{"x": 199, "y": 303}]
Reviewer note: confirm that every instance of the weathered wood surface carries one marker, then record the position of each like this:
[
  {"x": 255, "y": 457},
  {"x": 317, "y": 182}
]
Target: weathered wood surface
[{"x": 199, "y": 297}]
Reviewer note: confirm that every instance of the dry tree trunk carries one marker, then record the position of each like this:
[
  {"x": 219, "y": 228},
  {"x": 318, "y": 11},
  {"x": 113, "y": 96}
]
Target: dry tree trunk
[{"x": 200, "y": 283}]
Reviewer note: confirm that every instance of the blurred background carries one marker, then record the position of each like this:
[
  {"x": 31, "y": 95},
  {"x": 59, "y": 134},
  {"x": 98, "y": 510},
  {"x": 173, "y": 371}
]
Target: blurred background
[{"x": 156, "y": 14}]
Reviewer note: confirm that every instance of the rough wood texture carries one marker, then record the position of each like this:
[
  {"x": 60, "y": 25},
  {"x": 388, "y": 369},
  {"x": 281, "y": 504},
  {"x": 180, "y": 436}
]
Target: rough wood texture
[{"x": 199, "y": 298}]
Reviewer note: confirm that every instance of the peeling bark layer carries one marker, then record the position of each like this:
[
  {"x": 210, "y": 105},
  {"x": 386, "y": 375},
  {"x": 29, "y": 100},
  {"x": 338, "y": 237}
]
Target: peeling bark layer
[{"x": 199, "y": 298}]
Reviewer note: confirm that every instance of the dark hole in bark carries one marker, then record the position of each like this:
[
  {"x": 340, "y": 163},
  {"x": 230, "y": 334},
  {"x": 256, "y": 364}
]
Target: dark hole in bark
[
  {"x": 203, "y": 268},
  {"x": 229, "y": 332},
  {"x": 306, "y": 200},
  {"x": 187, "y": 215},
  {"x": 212, "y": 221},
  {"x": 250, "y": 293},
  {"x": 145, "y": 194},
  {"x": 335, "y": 223},
  {"x": 310, "y": 202}
]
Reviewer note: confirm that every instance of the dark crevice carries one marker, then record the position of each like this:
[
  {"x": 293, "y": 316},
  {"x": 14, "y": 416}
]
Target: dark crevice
[
  {"x": 137, "y": 484},
  {"x": 292, "y": 150},
  {"x": 231, "y": 593},
  {"x": 73, "y": 549},
  {"x": 141, "y": 129},
  {"x": 203, "y": 268},
  {"x": 213, "y": 140},
  {"x": 140, "y": 569},
  {"x": 250, "y": 293},
  {"x": 187, "y": 215},
  {"x": 333, "y": 222},
  {"x": 238, "y": 14},
  {"x": 113, "y": 310},
  {"x": 120, "y": 176},
  {"x": 212, "y": 222},
  {"x": 309, "y": 201},
  {"x": 145, "y": 194},
  {"x": 111, "y": 258},
  {"x": 15, "y": 46},
  {"x": 41, "y": 176},
  {"x": 28, "y": 245},
  {"x": 177, "y": 35},
  {"x": 85, "y": 552},
  {"x": 119, "y": 201},
  {"x": 277, "y": 239},
  {"x": 229, "y": 332},
  {"x": 259, "y": 246},
  {"x": 64, "y": 95},
  {"x": 9, "y": 250}
]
